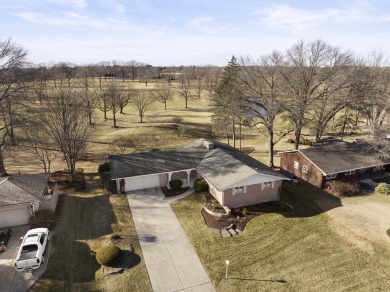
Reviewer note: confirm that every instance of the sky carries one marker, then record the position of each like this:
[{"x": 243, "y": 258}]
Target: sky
[{"x": 188, "y": 32}]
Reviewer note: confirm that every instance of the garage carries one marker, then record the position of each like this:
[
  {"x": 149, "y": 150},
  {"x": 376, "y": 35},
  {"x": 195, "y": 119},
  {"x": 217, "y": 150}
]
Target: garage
[
  {"x": 142, "y": 182},
  {"x": 14, "y": 215}
]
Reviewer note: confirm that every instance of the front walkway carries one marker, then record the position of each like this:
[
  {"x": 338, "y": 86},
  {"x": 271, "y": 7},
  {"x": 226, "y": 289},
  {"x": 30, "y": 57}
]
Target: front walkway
[{"x": 172, "y": 263}]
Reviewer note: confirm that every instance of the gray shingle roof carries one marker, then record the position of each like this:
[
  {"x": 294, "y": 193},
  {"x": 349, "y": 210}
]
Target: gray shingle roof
[
  {"x": 22, "y": 189},
  {"x": 340, "y": 157},
  {"x": 144, "y": 163},
  {"x": 222, "y": 166}
]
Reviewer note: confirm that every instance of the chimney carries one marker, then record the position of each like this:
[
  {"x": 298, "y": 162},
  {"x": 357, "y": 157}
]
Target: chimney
[{"x": 208, "y": 144}]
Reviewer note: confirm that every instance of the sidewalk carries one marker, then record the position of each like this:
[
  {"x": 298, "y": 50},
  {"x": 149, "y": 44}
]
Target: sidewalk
[{"x": 171, "y": 261}]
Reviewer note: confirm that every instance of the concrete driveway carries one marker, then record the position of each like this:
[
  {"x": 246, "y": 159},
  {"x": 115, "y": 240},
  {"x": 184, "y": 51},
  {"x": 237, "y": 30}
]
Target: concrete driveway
[
  {"x": 171, "y": 261},
  {"x": 10, "y": 280}
]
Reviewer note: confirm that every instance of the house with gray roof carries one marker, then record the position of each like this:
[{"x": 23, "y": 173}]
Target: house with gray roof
[
  {"x": 235, "y": 179},
  {"x": 23, "y": 195},
  {"x": 332, "y": 159}
]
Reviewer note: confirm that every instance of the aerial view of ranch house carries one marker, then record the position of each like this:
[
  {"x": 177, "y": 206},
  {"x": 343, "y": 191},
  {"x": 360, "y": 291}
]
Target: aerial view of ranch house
[
  {"x": 234, "y": 178},
  {"x": 151, "y": 146}
]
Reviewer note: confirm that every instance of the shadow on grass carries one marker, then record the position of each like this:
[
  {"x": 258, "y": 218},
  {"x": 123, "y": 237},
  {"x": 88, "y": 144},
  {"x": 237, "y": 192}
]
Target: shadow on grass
[
  {"x": 126, "y": 259},
  {"x": 307, "y": 200},
  {"x": 82, "y": 218},
  {"x": 78, "y": 266},
  {"x": 258, "y": 280}
]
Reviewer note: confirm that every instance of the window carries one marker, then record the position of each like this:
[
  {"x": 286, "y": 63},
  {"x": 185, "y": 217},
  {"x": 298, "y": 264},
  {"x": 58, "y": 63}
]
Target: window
[
  {"x": 332, "y": 175},
  {"x": 238, "y": 190},
  {"x": 296, "y": 164},
  {"x": 304, "y": 168},
  {"x": 351, "y": 172},
  {"x": 267, "y": 185},
  {"x": 42, "y": 240}
]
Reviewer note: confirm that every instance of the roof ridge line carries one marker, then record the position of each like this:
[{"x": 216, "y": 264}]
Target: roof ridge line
[{"x": 6, "y": 179}]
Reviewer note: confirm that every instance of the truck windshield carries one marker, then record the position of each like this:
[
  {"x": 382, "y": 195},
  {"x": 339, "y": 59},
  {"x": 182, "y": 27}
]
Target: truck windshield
[{"x": 29, "y": 248}]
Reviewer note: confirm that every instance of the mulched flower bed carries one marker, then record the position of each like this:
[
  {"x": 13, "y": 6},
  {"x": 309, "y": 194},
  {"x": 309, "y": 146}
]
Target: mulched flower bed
[
  {"x": 237, "y": 216},
  {"x": 62, "y": 178},
  {"x": 172, "y": 193}
]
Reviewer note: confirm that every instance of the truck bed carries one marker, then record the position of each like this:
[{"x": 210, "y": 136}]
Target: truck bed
[
  {"x": 27, "y": 256},
  {"x": 28, "y": 252}
]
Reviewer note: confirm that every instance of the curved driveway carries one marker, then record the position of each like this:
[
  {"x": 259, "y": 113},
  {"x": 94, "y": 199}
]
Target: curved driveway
[{"x": 172, "y": 263}]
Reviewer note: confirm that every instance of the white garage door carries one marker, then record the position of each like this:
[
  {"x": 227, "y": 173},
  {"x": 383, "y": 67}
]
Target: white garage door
[
  {"x": 14, "y": 217},
  {"x": 142, "y": 182}
]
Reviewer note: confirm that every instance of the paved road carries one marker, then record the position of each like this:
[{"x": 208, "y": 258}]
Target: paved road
[{"x": 172, "y": 263}]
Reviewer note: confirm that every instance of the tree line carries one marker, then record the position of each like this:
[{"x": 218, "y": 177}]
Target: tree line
[{"x": 313, "y": 85}]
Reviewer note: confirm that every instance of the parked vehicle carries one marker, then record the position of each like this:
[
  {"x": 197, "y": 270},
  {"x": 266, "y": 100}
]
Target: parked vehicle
[
  {"x": 4, "y": 237},
  {"x": 31, "y": 252}
]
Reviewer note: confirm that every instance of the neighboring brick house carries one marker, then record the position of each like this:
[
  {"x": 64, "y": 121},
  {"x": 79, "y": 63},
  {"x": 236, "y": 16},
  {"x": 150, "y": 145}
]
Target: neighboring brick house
[
  {"x": 331, "y": 160},
  {"x": 235, "y": 179}
]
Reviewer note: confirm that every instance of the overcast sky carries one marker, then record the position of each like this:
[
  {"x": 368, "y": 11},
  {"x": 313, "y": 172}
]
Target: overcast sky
[{"x": 188, "y": 32}]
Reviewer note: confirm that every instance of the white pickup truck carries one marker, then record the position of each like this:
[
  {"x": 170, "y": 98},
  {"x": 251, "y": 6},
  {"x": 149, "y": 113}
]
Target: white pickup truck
[{"x": 31, "y": 252}]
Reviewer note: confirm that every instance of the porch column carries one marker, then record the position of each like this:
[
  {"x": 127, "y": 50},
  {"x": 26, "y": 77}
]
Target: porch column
[
  {"x": 117, "y": 185},
  {"x": 188, "y": 177},
  {"x": 169, "y": 179}
]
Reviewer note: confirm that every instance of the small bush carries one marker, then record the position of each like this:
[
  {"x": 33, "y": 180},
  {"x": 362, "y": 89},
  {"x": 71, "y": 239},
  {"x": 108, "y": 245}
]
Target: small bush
[
  {"x": 382, "y": 188},
  {"x": 342, "y": 189},
  {"x": 306, "y": 142},
  {"x": 290, "y": 140},
  {"x": 107, "y": 183},
  {"x": 176, "y": 184},
  {"x": 107, "y": 254},
  {"x": 177, "y": 120},
  {"x": 104, "y": 167},
  {"x": 200, "y": 185}
]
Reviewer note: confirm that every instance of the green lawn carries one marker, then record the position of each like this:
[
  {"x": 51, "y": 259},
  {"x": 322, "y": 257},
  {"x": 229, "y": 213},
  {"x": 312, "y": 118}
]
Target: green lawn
[
  {"x": 86, "y": 223},
  {"x": 299, "y": 249}
]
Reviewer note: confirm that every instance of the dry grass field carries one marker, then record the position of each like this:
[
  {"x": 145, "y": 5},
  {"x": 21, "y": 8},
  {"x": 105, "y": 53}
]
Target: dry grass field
[{"x": 158, "y": 131}]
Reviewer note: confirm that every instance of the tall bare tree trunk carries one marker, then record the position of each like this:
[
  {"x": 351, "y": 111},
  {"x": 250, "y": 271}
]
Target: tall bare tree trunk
[
  {"x": 271, "y": 148},
  {"x": 2, "y": 167},
  {"x": 234, "y": 134},
  {"x": 240, "y": 134}
]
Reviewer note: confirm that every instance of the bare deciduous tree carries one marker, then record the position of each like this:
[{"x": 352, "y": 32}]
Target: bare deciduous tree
[
  {"x": 124, "y": 143},
  {"x": 65, "y": 119},
  {"x": 141, "y": 101},
  {"x": 12, "y": 59},
  {"x": 39, "y": 144},
  {"x": 133, "y": 69},
  {"x": 263, "y": 86},
  {"x": 163, "y": 92},
  {"x": 185, "y": 91},
  {"x": 371, "y": 89},
  {"x": 104, "y": 104},
  {"x": 125, "y": 97},
  {"x": 309, "y": 69},
  {"x": 212, "y": 75},
  {"x": 88, "y": 93},
  {"x": 113, "y": 95}
]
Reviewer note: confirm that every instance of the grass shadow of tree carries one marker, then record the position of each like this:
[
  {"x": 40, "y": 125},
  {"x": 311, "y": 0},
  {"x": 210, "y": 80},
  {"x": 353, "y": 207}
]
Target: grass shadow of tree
[
  {"x": 307, "y": 200},
  {"x": 126, "y": 259}
]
